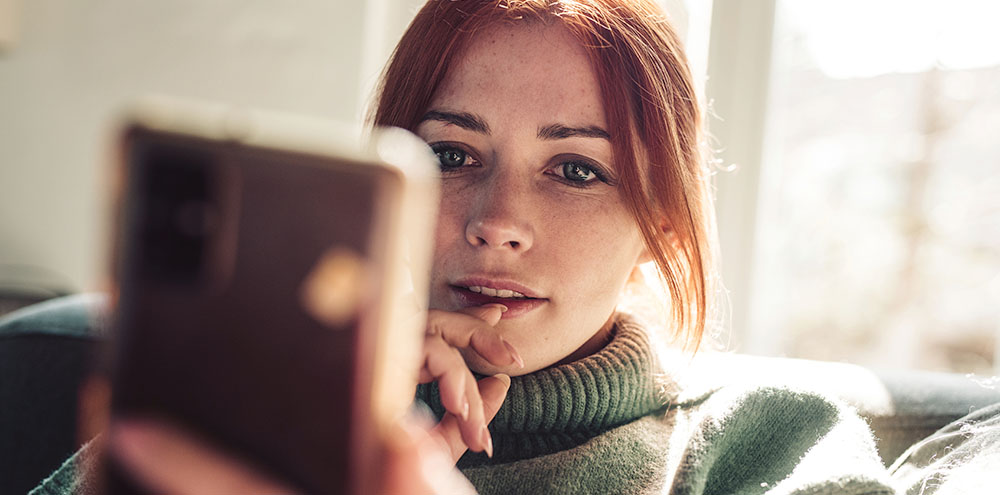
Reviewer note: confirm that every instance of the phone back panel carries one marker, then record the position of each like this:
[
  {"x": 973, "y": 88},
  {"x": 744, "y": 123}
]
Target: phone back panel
[{"x": 247, "y": 279}]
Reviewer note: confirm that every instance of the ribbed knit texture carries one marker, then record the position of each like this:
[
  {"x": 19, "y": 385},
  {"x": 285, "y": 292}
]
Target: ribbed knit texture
[
  {"x": 601, "y": 425},
  {"x": 561, "y": 407}
]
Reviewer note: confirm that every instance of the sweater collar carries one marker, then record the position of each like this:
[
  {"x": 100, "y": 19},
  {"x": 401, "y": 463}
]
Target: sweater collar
[
  {"x": 564, "y": 405},
  {"x": 606, "y": 389}
]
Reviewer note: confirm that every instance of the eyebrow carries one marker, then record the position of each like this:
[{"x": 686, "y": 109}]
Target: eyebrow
[
  {"x": 475, "y": 123},
  {"x": 468, "y": 121},
  {"x": 559, "y": 131}
]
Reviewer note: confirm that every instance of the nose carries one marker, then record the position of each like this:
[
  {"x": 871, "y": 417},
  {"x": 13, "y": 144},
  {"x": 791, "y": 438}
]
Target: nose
[
  {"x": 491, "y": 233},
  {"x": 497, "y": 219}
]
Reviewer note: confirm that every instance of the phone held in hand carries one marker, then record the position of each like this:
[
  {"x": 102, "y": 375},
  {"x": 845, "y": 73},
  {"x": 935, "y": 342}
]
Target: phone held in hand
[{"x": 270, "y": 275}]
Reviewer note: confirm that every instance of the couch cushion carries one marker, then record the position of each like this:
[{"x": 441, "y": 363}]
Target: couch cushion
[
  {"x": 80, "y": 315},
  {"x": 46, "y": 351}
]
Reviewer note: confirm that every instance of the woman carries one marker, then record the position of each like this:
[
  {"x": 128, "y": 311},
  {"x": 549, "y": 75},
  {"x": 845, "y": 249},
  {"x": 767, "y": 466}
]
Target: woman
[
  {"x": 569, "y": 138},
  {"x": 546, "y": 193},
  {"x": 568, "y": 135}
]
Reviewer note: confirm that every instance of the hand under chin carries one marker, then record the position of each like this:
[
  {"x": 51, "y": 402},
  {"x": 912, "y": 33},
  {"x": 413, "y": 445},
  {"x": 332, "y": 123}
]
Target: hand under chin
[{"x": 481, "y": 367}]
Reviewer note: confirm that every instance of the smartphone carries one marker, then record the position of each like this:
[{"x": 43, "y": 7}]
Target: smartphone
[{"x": 270, "y": 275}]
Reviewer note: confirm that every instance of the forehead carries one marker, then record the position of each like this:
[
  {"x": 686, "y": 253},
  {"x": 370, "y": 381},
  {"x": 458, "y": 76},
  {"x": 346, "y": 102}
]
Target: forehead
[{"x": 528, "y": 67}]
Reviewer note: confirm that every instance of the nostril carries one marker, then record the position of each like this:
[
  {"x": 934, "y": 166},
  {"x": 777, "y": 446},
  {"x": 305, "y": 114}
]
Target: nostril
[
  {"x": 493, "y": 234},
  {"x": 481, "y": 241}
]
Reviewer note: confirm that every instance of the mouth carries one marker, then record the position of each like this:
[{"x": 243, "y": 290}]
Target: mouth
[{"x": 518, "y": 299}]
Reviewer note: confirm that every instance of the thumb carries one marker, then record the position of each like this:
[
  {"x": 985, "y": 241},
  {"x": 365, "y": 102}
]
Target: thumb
[
  {"x": 168, "y": 460},
  {"x": 493, "y": 390},
  {"x": 416, "y": 462}
]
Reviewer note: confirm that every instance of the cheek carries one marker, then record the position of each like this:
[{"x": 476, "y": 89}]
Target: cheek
[
  {"x": 601, "y": 228},
  {"x": 450, "y": 227},
  {"x": 597, "y": 249}
]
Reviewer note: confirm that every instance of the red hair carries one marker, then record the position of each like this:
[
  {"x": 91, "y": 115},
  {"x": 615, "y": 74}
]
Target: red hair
[{"x": 652, "y": 110}]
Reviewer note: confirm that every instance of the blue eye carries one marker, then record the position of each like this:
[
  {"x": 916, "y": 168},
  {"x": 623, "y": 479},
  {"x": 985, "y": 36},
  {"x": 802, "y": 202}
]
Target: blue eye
[
  {"x": 451, "y": 157},
  {"x": 578, "y": 172}
]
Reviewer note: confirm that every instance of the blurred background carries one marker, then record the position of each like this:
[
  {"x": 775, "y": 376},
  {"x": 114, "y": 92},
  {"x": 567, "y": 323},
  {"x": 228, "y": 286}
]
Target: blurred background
[
  {"x": 862, "y": 211},
  {"x": 858, "y": 175}
]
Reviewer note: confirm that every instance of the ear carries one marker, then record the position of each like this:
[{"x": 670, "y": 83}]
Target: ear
[
  {"x": 636, "y": 276},
  {"x": 671, "y": 237},
  {"x": 644, "y": 256}
]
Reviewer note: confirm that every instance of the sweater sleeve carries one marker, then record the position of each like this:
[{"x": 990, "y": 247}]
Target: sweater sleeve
[
  {"x": 779, "y": 441},
  {"x": 73, "y": 477}
]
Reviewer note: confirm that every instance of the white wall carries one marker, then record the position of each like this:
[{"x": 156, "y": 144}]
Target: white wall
[{"x": 73, "y": 63}]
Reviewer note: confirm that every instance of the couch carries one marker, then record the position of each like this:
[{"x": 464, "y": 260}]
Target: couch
[{"x": 47, "y": 349}]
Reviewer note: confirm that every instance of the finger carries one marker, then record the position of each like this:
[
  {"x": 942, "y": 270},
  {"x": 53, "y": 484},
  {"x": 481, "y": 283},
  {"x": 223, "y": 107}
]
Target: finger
[
  {"x": 495, "y": 349},
  {"x": 482, "y": 341},
  {"x": 445, "y": 364},
  {"x": 493, "y": 390},
  {"x": 458, "y": 391},
  {"x": 470, "y": 331},
  {"x": 455, "y": 324},
  {"x": 490, "y": 313},
  {"x": 166, "y": 460},
  {"x": 417, "y": 463},
  {"x": 475, "y": 434}
]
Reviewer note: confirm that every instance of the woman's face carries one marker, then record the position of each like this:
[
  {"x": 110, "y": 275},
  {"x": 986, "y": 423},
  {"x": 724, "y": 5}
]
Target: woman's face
[{"x": 531, "y": 216}]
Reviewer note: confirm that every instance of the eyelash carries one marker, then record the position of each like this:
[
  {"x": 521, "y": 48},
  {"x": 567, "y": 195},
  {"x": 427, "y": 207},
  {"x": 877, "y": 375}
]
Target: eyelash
[
  {"x": 584, "y": 164},
  {"x": 599, "y": 173},
  {"x": 440, "y": 148}
]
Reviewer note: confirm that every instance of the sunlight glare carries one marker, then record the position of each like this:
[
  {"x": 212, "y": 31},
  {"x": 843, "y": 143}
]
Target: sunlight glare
[{"x": 862, "y": 38}]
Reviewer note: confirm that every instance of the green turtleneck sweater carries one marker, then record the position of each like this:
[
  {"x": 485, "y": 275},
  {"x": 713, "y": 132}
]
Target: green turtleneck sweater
[{"x": 607, "y": 424}]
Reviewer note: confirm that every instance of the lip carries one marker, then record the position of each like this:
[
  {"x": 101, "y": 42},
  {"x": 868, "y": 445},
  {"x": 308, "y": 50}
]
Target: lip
[
  {"x": 515, "y": 306},
  {"x": 496, "y": 283}
]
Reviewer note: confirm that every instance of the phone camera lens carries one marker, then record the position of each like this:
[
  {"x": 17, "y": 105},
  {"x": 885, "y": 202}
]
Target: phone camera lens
[{"x": 194, "y": 218}]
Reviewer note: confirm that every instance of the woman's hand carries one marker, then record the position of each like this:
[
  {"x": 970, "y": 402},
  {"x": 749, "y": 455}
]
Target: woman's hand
[
  {"x": 417, "y": 458},
  {"x": 471, "y": 405},
  {"x": 164, "y": 459}
]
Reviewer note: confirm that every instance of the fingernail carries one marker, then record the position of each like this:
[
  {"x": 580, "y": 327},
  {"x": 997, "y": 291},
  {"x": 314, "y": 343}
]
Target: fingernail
[
  {"x": 488, "y": 440},
  {"x": 503, "y": 309},
  {"x": 504, "y": 378},
  {"x": 514, "y": 354},
  {"x": 465, "y": 409}
]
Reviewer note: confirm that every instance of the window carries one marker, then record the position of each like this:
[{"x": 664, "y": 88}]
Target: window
[{"x": 876, "y": 234}]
